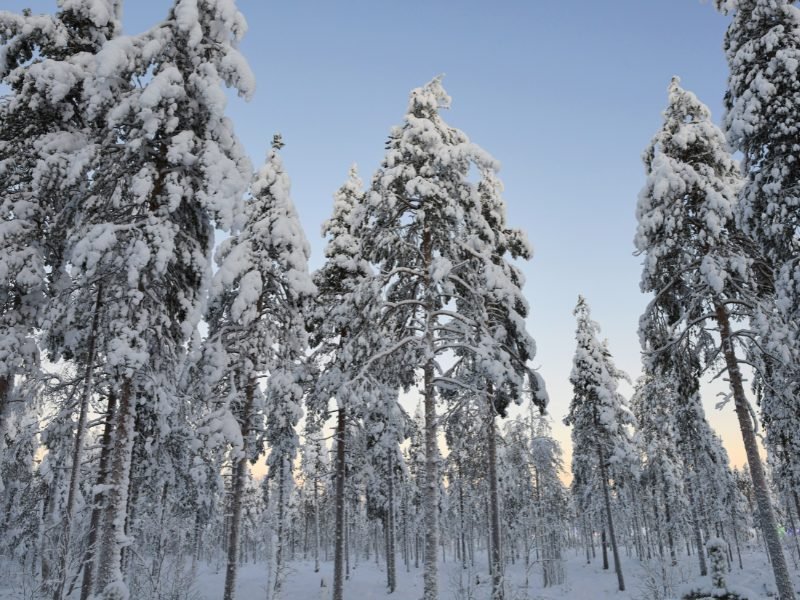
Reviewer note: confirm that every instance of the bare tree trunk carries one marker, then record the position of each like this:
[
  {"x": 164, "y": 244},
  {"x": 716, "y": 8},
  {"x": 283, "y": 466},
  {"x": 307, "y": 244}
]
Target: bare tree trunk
[
  {"x": 670, "y": 539},
  {"x": 77, "y": 449},
  {"x": 109, "y": 572},
  {"x": 316, "y": 521},
  {"x": 604, "y": 546},
  {"x": 237, "y": 492},
  {"x": 391, "y": 577},
  {"x": 197, "y": 541},
  {"x": 607, "y": 498},
  {"x": 431, "y": 490},
  {"x": 281, "y": 533},
  {"x": 97, "y": 509},
  {"x": 698, "y": 536},
  {"x": 462, "y": 532},
  {"x": 5, "y": 393},
  {"x": 338, "y": 555},
  {"x": 494, "y": 508},
  {"x": 766, "y": 516}
]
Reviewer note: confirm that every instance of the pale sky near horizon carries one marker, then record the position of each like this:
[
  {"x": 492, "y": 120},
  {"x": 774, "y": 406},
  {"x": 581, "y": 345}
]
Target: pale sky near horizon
[{"x": 566, "y": 95}]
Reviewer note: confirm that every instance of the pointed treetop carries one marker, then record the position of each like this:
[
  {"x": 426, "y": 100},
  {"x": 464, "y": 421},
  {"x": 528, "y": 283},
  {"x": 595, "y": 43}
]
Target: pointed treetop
[
  {"x": 277, "y": 141},
  {"x": 428, "y": 99},
  {"x": 684, "y": 104}
]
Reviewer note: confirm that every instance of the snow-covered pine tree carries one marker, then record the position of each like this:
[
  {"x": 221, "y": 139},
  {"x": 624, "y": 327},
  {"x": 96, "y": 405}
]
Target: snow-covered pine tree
[
  {"x": 256, "y": 317},
  {"x": 385, "y": 427},
  {"x": 47, "y": 143},
  {"x": 600, "y": 421},
  {"x": 434, "y": 240},
  {"x": 343, "y": 331},
  {"x": 44, "y": 144},
  {"x": 654, "y": 405},
  {"x": 696, "y": 263},
  {"x": 762, "y": 121},
  {"x": 167, "y": 165}
]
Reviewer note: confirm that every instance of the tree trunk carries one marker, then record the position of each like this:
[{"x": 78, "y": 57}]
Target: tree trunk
[
  {"x": 77, "y": 449},
  {"x": 698, "y": 536},
  {"x": 494, "y": 508},
  {"x": 281, "y": 529},
  {"x": 316, "y": 521},
  {"x": 338, "y": 555},
  {"x": 391, "y": 577},
  {"x": 462, "y": 532},
  {"x": 109, "y": 573},
  {"x": 766, "y": 517},
  {"x": 607, "y": 499},
  {"x": 604, "y": 546},
  {"x": 237, "y": 493},
  {"x": 5, "y": 392},
  {"x": 668, "y": 517},
  {"x": 430, "y": 492},
  {"x": 97, "y": 509}
]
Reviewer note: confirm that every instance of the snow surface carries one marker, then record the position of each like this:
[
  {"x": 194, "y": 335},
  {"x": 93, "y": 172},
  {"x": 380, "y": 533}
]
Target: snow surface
[{"x": 367, "y": 580}]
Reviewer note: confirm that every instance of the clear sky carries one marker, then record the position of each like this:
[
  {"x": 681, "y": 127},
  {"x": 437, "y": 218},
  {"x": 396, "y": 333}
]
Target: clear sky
[{"x": 566, "y": 95}]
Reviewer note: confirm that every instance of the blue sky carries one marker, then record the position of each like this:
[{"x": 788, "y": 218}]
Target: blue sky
[{"x": 566, "y": 95}]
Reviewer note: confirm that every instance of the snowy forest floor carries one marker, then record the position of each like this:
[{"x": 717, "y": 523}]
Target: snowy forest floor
[
  {"x": 368, "y": 580},
  {"x": 645, "y": 581}
]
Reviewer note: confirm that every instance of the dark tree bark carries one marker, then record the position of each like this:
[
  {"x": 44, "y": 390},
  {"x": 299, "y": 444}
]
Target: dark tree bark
[
  {"x": 97, "y": 508},
  {"x": 338, "y": 555},
  {"x": 607, "y": 499},
  {"x": 494, "y": 508},
  {"x": 766, "y": 516}
]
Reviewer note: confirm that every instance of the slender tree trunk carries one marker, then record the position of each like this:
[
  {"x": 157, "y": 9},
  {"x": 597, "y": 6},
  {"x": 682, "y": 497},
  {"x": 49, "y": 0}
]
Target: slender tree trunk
[
  {"x": 430, "y": 492},
  {"x": 109, "y": 572},
  {"x": 338, "y": 555},
  {"x": 766, "y": 516},
  {"x": 607, "y": 499},
  {"x": 5, "y": 393},
  {"x": 158, "y": 557},
  {"x": 316, "y": 522},
  {"x": 670, "y": 541},
  {"x": 604, "y": 546},
  {"x": 347, "y": 539},
  {"x": 97, "y": 508},
  {"x": 237, "y": 493},
  {"x": 281, "y": 527},
  {"x": 738, "y": 548},
  {"x": 391, "y": 577},
  {"x": 463, "y": 533},
  {"x": 698, "y": 536},
  {"x": 77, "y": 448},
  {"x": 197, "y": 541},
  {"x": 586, "y": 535},
  {"x": 494, "y": 509}
]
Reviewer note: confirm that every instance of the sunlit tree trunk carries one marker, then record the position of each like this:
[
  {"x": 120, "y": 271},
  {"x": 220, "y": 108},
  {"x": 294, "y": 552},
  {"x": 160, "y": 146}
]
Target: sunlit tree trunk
[{"x": 766, "y": 516}]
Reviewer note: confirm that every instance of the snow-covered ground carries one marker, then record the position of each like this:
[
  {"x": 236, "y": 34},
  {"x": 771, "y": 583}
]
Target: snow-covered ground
[
  {"x": 590, "y": 582},
  {"x": 368, "y": 581}
]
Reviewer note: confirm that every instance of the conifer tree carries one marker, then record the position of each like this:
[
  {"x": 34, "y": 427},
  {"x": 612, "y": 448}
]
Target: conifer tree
[
  {"x": 168, "y": 164},
  {"x": 343, "y": 332},
  {"x": 697, "y": 264},
  {"x": 762, "y": 121},
  {"x": 436, "y": 241},
  {"x": 600, "y": 421},
  {"x": 256, "y": 317}
]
